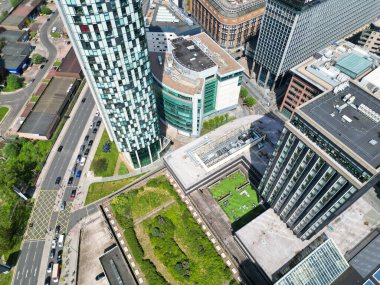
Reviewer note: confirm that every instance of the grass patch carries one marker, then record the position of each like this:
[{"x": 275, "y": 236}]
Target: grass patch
[
  {"x": 175, "y": 242},
  {"x": 55, "y": 35},
  {"x": 34, "y": 98},
  {"x": 111, "y": 157},
  {"x": 100, "y": 190},
  {"x": 235, "y": 200},
  {"x": 57, "y": 63},
  {"x": 6, "y": 279},
  {"x": 216, "y": 122},
  {"x": 122, "y": 169},
  {"x": 3, "y": 111}
]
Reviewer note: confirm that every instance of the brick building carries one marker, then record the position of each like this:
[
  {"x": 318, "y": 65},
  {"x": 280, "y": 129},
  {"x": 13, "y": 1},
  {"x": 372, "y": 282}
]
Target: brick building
[{"x": 230, "y": 23}]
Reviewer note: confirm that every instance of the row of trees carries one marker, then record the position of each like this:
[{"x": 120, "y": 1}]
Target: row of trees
[{"x": 247, "y": 100}]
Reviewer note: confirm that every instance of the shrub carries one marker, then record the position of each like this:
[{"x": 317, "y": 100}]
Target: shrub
[
  {"x": 55, "y": 35},
  {"x": 3, "y": 15},
  {"x": 14, "y": 3},
  {"x": 45, "y": 10},
  {"x": 13, "y": 82},
  {"x": 32, "y": 34},
  {"x": 243, "y": 93},
  {"x": 249, "y": 101},
  {"x": 37, "y": 58}
]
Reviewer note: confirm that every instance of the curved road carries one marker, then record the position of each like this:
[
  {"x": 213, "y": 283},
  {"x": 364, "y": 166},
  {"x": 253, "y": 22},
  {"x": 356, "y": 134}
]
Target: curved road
[{"x": 16, "y": 100}]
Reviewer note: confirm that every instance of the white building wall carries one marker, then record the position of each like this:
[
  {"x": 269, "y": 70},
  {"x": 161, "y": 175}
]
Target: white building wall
[
  {"x": 228, "y": 94},
  {"x": 159, "y": 42}
]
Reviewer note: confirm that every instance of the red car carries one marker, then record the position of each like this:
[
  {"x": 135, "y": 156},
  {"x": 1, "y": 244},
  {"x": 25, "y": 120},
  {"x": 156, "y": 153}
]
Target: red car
[{"x": 73, "y": 193}]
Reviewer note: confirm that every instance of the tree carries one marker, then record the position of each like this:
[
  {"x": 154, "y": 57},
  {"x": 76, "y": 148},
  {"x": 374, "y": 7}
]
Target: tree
[
  {"x": 14, "y": 3},
  {"x": 250, "y": 101},
  {"x": 11, "y": 150},
  {"x": 37, "y": 58},
  {"x": 13, "y": 82},
  {"x": 3, "y": 15},
  {"x": 45, "y": 10},
  {"x": 100, "y": 165},
  {"x": 243, "y": 93}
]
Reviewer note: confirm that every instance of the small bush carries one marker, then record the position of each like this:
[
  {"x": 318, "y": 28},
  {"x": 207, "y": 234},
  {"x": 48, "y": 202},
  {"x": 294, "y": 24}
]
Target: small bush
[
  {"x": 32, "y": 34},
  {"x": 37, "y": 58},
  {"x": 243, "y": 93},
  {"x": 45, "y": 10},
  {"x": 55, "y": 35},
  {"x": 250, "y": 101},
  {"x": 14, "y": 82}
]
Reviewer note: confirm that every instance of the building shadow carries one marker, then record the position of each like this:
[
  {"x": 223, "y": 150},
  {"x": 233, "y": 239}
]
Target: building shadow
[{"x": 13, "y": 258}]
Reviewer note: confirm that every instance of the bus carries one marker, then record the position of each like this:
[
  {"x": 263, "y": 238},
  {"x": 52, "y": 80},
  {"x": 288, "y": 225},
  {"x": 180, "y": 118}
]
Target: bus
[
  {"x": 61, "y": 240},
  {"x": 56, "y": 272}
]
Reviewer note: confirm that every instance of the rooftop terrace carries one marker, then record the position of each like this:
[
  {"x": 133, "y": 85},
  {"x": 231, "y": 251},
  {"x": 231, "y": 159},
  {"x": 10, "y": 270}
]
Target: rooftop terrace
[{"x": 350, "y": 118}]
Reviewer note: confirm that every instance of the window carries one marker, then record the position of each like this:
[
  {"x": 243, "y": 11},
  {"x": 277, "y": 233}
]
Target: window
[{"x": 84, "y": 28}]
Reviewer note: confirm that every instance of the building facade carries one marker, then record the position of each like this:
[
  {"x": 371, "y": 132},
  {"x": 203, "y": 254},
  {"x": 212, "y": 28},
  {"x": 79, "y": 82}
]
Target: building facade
[
  {"x": 193, "y": 80},
  {"x": 370, "y": 38},
  {"x": 229, "y": 23},
  {"x": 292, "y": 31},
  {"x": 327, "y": 156},
  {"x": 109, "y": 40}
]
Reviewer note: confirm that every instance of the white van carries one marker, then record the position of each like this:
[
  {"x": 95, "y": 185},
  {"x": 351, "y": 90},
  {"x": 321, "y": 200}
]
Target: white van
[
  {"x": 82, "y": 161},
  {"x": 61, "y": 240}
]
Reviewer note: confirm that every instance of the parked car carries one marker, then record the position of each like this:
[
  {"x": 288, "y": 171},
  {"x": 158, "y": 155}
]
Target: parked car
[
  {"x": 87, "y": 151},
  {"x": 86, "y": 138},
  {"x": 100, "y": 276},
  {"x": 63, "y": 205},
  {"x": 73, "y": 193},
  {"x": 50, "y": 267},
  {"x": 82, "y": 161},
  {"x": 70, "y": 181},
  {"x": 42, "y": 66},
  {"x": 48, "y": 279},
  {"x": 97, "y": 113},
  {"x": 79, "y": 173},
  {"x": 91, "y": 125},
  {"x": 60, "y": 148},
  {"x": 52, "y": 253},
  {"x": 94, "y": 130},
  {"x": 54, "y": 29},
  {"x": 54, "y": 243},
  {"x": 90, "y": 143},
  {"x": 79, "y": 158},
  {"x": 82, "y": 147},
  {"x": 59, "y": 256},
  {"x": 57, "y": 229},
  {"x": 98, "y": 123},
  {"x": 58, "y": 180},
  {"x": 84, "y": 100}
]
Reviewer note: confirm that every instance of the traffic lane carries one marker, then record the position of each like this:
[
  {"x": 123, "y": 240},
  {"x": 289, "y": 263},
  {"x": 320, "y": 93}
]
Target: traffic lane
[
  {"x": 29, "y": 263},
  {"x": 69, "y": 142}
]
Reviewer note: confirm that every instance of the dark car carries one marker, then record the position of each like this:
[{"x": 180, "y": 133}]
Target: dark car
[
  {"x": 57, "y": 229},
  {"x": 59, "y": 256},
  {"x": 100, "y": 276},
  {"x": 86, "y": 138},
  {"x": 70, "y": 181},
  {"x": 50, "y": 267},
  {"x": 90, "y": 143},
  {"x": 79, "y": 158},
  {"x": 82, "y": 147},
  {"x": 94, "y": 130},
  {"x": 98, "y": 123},
  {"x": 52, "y": 253},
  {"x": 42, "y": 66},
  {"x": 63, "y": 205},
  {"x": 47, "y": 280},
  {"x": 60, "y": 148},
  {"x": 73, "y": 193},
  {"x": 87, "y": 151},
  {"x": 57, "y": 180},
  {"x": 84, "y": 100},
  {"x": 79, "y": 173}
]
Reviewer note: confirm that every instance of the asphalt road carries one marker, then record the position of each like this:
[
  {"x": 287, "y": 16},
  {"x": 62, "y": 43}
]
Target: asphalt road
[
  {"x": 16, "y": 100},
  {"x": 60, "y": 164},
  {"x": 29, "y": 263}
]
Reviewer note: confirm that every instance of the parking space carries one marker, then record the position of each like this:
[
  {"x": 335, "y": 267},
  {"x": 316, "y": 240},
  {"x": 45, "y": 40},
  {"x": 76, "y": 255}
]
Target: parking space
[{"x": 40, "y": 218}]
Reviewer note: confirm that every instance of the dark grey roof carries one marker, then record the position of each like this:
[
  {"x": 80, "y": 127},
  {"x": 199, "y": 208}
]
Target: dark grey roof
[
  {"x": 13, "y": 61},
  {"x": 358, "y": 133},
  {"x": 17, "y": 48},
  {"x": 187, "y": 53},
  {"x": 11, "y": 36},
  {"x": 4, "y": 268},
  {"x": 38, "y": 123},
  {"x": 116, "y": 268}
]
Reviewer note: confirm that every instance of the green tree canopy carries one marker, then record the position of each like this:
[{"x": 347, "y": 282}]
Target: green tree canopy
[
  {"x": 14, "y": 3},
  {"x": 37, "y": 58},
  {"x": 250, "y": 101},
  {"x": 13, "y": 82},
  {"x": 243, "y": 93},
  {"x": 11, "y": 150},
  {"x": 45, "y": 10}
]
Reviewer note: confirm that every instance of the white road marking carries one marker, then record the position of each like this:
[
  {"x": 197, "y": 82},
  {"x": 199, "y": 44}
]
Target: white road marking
[{"x": 27, "y": 271}]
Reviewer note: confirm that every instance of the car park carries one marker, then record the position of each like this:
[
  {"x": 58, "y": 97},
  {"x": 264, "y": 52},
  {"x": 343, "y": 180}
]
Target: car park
[
  {"x": 90, "y": 143},
  {"x": 63, "y": 205},
  {"x": 60, "y": 148},
  {"x": 73, "y": 193},
  {"x": 94, "y": 130},
  {"x": 98, "y": 123},
  {"x": 52, "y": 253},
  {"x": 50, "y": 267},
  {"x": 70, "y": 181},
  {"x": 58, "y": 180},
  {"x": 79, "y": 173}
]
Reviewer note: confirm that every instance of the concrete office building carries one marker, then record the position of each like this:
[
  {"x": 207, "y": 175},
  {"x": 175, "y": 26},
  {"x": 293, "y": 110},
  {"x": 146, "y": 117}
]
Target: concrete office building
[
  {"x": 327, "y": 157},
  {"x": 325, "y": 70},
  {"x": 109, "y": 40},
  {"x": 194, "y": 79},
  {"x": 231, "y": 23},
  {"x": 292, "y": 31},
  {"x": 370, "y": 38},
  {"x": 164, "y": 22}
]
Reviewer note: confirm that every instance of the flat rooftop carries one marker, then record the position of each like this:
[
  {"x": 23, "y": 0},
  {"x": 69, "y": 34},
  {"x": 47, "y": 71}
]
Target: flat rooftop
[
  {"x": 17, "y": 16},
  {"x": 70, "y": 63},
  {"x": 171, "y": 77},
  {"x": 116, "y": 269},
  {"x": 225, "y": 62},
  {"x": 11, "y": 36},
  {"x": 268, "y": 231},
  {"x": 355, "y": 127},
  {"x": 190, "y": 55},
  {"x": 48, "y": 107},
  {"x": 353, "y": 65},
  {"x": 183, "y": 159},
  {"x": 235, "y": 9}
]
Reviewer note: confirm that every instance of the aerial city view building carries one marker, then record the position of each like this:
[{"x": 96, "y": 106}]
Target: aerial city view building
[{"x": 212, "y": 142}]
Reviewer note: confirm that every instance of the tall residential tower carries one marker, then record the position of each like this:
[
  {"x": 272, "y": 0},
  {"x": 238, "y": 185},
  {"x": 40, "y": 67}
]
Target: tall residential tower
[
  {"x": 293, "y": 30},
  {"x": 109, "y": 40}
]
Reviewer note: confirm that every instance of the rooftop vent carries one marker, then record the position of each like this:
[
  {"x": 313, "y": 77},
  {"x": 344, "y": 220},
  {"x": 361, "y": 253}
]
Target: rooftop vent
[{"x": 373, "y": 142}]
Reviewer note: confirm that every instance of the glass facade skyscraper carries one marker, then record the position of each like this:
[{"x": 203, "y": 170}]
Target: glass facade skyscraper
[{"x": 109, "y": 39}]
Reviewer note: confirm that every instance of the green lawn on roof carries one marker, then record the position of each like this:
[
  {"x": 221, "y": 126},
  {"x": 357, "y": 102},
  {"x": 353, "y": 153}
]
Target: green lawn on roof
[{"x": 235, "y": 201}]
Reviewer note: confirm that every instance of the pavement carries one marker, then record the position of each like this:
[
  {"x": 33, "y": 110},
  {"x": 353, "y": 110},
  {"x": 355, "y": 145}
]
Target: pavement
[{"x": 16, "y": 100}]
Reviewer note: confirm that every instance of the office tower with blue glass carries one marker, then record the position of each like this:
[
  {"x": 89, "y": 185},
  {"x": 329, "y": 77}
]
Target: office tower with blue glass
[
  {"x": 109, "y": 40},
  {"x": 293, "y": 30},
  {"x": 326, "y": 158}
]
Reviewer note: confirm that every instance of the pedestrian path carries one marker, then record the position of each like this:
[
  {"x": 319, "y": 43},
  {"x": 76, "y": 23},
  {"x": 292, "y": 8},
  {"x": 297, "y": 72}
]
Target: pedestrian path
[{"x": 41, "y": 214}]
